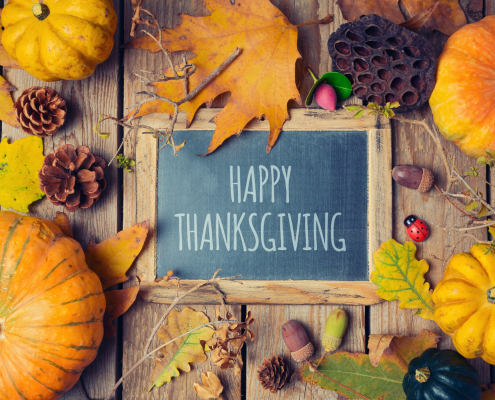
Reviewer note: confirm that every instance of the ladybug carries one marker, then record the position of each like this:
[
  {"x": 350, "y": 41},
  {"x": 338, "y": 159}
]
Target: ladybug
[{"x": 416, "y": 228}]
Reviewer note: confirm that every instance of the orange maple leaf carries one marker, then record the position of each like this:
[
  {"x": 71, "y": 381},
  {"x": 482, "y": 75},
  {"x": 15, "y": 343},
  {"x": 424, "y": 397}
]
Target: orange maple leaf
[{"x": 261, "y": 80}]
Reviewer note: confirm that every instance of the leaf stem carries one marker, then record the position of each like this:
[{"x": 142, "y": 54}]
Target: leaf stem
[
  {"x": 326, "y": 20},
  {"x": 313, "y": 369}
]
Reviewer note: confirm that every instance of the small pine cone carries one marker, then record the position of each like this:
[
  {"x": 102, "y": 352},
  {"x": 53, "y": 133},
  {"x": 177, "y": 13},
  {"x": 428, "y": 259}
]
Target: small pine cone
[
  {"x": 40, "y": 111},
  {"x": 73, "y": 178},
  {"x": 273, "y": 374}
]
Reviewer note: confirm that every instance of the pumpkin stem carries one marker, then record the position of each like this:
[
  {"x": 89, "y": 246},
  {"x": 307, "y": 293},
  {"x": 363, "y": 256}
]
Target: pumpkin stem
[
  {"x": 491, "y": 296},
  {"x": 2, "y": 328},
  {"x": 423, "y": 374},
  {"x": 40, "y": 11}
]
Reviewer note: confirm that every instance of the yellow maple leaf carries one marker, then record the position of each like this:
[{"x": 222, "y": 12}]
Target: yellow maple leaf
[
  {"x": 111, "y": 259},
  {"x": 401, "y": 277},
  {"x": 178, "y": 354},
  {"x": 261, "y": 80},
  {"x": 20, "y": 162}
]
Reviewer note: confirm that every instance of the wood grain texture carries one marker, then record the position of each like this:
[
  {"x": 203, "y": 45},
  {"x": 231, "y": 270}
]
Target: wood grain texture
[
  {"x": 85, "y": 99},
  {"x": 266, "y": 292},
  {"x": 269, "y": 342}
]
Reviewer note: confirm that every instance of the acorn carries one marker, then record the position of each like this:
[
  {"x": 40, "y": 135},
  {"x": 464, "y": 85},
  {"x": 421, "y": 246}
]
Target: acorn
[
  {"x": 296, "y": 339},
  {"x": 334, "y": 330},
  {"x": 413, "y": 177}
]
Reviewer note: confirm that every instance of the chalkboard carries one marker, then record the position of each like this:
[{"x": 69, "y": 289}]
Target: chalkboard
[
  {"x": 331, "y": 208},
  {"x": 300, "y": 212}
]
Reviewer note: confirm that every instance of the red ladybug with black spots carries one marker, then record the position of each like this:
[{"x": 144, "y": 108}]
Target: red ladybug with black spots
[{"x": 416, "y": 228}]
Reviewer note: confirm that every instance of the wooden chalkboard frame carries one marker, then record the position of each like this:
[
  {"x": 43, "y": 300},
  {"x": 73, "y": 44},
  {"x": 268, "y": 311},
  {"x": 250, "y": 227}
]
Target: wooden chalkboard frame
[{"x": 140, "y": 203}]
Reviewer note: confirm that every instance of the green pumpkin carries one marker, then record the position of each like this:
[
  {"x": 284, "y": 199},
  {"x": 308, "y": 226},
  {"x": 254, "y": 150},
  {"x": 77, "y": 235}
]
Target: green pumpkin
[{"x": 441, "y": 375}]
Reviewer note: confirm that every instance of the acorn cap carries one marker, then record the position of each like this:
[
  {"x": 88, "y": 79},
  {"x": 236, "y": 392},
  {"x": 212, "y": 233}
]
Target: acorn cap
[
  {"x": 303, "y": 353},
  {"x": 330, "y": 343},
  {"x": 426, "y": 181}
]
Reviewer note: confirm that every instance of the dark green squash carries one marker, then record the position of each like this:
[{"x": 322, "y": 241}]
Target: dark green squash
[{"x": 441, "y": 375}]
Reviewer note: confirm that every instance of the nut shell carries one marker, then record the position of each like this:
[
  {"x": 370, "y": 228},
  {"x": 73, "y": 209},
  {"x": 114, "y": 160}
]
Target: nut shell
[
  {"x": 330, "y": 343},
  {"x": 413, "y": 177},
  {"x": 426, "y": 181},
  {"x": 294, "y": 335},
  {"x": 303, "y": 354},
  {"x": 385, "y": 62}
]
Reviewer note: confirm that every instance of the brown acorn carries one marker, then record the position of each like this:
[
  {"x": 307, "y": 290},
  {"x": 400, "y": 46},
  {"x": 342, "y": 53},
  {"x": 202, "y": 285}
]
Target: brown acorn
[
  {"x": 296, "y": 339},
  {"x": 413, "y": 177}
]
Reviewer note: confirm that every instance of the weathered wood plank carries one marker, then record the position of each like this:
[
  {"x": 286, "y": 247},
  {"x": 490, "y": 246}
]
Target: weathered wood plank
[
  {"x": 266, "y": 292},
  {"x": 268, "y": 330},
  {"x": 86, "y": 99}
]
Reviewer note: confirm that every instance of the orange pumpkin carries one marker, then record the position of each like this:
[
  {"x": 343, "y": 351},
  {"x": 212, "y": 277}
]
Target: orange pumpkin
[
  {"x": 463, "y": 102},
  {"x": 51, "y": 309}
]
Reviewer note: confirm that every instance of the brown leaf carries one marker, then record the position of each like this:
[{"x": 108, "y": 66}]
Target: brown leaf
[
  {"x": 352, "y": 10},
  {"x": 111, "y": 259},
  {"x": 118, "y": 302},
  {"x": 377, "y": 344},
  {"x": 7, "y": 111},
  {"x": 211, "y": 388},
  {"x": 62, "y": 220},
  {"x": 261, "y": 79},
  {"x": 447, "y": 18},
  {"x": 417, "y": 22}
]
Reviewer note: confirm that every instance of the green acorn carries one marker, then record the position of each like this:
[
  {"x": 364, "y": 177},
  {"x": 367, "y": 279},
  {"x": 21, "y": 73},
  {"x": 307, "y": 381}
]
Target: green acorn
[{"x": 334, "y": 330}]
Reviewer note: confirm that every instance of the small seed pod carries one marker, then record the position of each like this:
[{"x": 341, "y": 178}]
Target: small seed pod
[
  {"x": 334, "y": 330},
  {"x": 296, "y": 339},
  {"x": 413, "y": 177}
]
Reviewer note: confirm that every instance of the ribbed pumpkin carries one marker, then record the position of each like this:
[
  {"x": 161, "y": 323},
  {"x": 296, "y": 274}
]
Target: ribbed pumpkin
[
  {"x": 463, "y": 100},
  {"x": 59, "y": 39},
  {"x": 441, "y": 375},
  {"x": 465, "y": 303},
  {"x": 51, "y": 309}
]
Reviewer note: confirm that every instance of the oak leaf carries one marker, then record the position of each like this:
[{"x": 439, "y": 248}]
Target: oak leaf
[
  {"x": 111, "y": 259},
  {"x": 355, "y": 370},
  {"x": 20, "y": 162},
  {"x": 261, "y": 79},
  {"x": 446, "y": 18},
  {"x": 211, "y": 388},
  {"x": 178, "y": 354},
  {"x": 400, "y": 276}
]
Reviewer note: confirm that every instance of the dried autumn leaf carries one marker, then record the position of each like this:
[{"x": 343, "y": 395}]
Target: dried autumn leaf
[
  {"x": 20, "y": 162},
  {"x": 6, "y": 60},
  {"x": 178, "y": 354},
  {"x": 355, "y": 370},
  {"x": 111, "y": 259},
  {"x": 401, "y": 277},
  {"x": 7, "y": 113},
  {"x": 447, "y": 18},
  {"x": 261, "y": 79},
  {"x": 211, "y": 387},
  {"x": 388, "y": 344},
  {"x": 62, "y": 220},
  {"x": 352, "y": 10},
  {"x": 419, "y": 20},
  {"x": 118, "y": 302}
]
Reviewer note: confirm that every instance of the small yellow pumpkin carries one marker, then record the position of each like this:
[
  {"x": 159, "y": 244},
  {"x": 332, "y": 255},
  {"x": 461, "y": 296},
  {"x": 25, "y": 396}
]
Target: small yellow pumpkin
[
  {"x": 59, "y": 39},
  {"x": 463, "y": 102},
  {"x": 465, "y": 303}
]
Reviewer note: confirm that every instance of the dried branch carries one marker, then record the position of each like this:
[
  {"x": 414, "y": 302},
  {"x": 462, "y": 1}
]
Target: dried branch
[{"x": 149, "y": 354}]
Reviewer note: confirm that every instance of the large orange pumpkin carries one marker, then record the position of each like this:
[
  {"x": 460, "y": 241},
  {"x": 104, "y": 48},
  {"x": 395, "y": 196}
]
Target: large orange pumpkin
[
  {"x": 463, "y": 100},
  {"x": 51, "y": 309}
]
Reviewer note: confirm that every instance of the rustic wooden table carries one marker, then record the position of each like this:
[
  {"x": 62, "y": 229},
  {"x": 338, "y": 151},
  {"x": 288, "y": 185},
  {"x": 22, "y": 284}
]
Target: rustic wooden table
[{"x": 111, "y": 90}]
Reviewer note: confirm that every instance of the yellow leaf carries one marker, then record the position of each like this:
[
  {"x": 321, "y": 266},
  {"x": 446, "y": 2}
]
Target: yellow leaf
[
  {"x": 118, "y": 302},
  {"x": 7, "y": 113},
  {"x": 111, "y": 259},
  {"x": 401, "y": 277},
  {"x": 261, "y": 79},
  {"x": 19, "y": 165},
  {"x": 177, "y": 355}
]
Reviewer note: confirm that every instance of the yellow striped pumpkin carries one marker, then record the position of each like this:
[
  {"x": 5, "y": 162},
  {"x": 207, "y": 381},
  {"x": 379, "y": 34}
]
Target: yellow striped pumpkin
[{"x": 51, "y": 309}]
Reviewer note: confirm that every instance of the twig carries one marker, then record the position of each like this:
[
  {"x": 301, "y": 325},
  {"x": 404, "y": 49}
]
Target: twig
[
  {"x": 486, "y": 225},
  {"x": 451, "y": 202},
  {"x": 326, "y": 20},
  {"x": 313, "y": 369},
  {"x": 313, "y": 376}
]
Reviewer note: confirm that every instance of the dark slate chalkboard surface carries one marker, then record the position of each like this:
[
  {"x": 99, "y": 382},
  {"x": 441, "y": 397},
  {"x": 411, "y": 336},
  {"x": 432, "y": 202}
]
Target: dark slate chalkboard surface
[{"x": 299, "y": 213}]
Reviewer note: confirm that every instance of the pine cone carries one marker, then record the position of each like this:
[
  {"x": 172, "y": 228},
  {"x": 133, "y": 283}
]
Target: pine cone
[
  {"x": 72, "y": 178},
  {"x": 40, "y": 111},
  {"x": 273, "y": 374}
]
